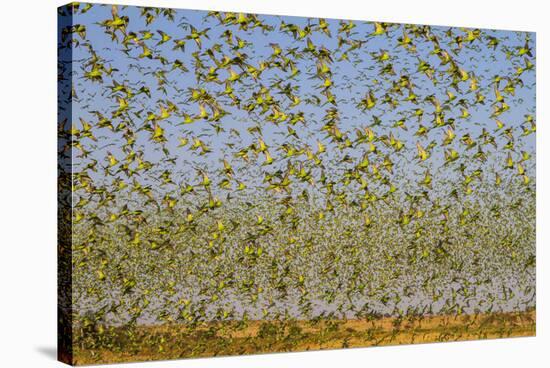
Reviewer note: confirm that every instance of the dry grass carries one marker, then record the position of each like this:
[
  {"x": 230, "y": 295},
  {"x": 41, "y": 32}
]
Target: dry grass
[{"x": 237, "y": 338}]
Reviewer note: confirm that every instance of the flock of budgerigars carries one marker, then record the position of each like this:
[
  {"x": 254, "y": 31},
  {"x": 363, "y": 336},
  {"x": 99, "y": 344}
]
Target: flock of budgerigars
[{"x": 234, "y": 167}]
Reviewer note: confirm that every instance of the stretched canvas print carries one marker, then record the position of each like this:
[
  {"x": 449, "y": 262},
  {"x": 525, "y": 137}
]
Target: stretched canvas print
[{"x": 236, "y": 183}]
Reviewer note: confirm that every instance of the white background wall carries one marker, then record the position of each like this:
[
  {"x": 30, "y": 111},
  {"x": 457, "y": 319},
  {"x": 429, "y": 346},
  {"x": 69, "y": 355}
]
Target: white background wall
[{"x": 28, "y": 181}]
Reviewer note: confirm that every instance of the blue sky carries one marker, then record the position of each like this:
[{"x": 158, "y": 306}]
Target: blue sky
[{"x": 352, "y": 80}]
